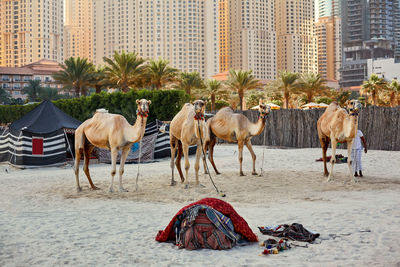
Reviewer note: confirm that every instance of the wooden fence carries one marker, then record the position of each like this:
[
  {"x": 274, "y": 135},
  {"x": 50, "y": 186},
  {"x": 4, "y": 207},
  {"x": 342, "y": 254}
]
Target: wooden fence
[{"x": 298, "y": 128}]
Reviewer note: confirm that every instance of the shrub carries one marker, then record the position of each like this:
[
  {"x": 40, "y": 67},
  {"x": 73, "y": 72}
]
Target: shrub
[{"x": 164, "y": 105}]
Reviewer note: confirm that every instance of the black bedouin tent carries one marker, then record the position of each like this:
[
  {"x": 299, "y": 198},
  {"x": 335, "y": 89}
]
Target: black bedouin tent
[{"x": 37, "y": 139}]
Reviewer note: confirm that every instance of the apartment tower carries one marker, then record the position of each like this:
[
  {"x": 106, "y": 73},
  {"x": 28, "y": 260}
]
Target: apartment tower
[
  {"x": 252, "y": 38},
  {"x": 329, "y": 40},
  {"x": 30, "y": 30},
  {"x": 184, "y": 32},
  {"x": 368, "y": 32},
  {"x": 296, "y": 40},
  {"x": 78, "y": 29}
]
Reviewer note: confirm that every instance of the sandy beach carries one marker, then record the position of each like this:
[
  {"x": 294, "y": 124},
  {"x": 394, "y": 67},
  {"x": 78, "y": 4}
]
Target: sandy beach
[{"x": 45, "y": 222}]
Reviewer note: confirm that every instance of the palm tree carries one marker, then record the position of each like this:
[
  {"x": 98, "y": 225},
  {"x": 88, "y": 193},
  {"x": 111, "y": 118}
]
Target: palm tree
[
  {"x": 160, "y": 74},
  {"x": 33, "y": 90},
  {"x": 212, "y": 89},
  {"x": 124, "y": 70},
  {"x": 49, "y": 93},
  {"x": 189, "y": 81},
  {"x": 373, "y": 86},
  {"x": 394, "y": 89},
  {"x": 241, "y": 81},
  {"x": 76, "y": 74},
  {"x": 311, "y": 84},
  {"x": 98, "y": 79},
  {"x": 287, "y": 85}
]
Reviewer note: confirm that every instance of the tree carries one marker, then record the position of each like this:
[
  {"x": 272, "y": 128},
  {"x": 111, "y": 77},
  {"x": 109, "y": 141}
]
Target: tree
[
  {"x": 5, "y": 97},
  {"x": 48, "y": 93},
  {"x": 287, "y": 85},
  {"x": 33, "y": 90},
  {"x": 241, "y": 81},
  {"x": 160, "y": 74},
  {"x": 189, "y": 81},
  {"x": 76, "y": 74},
  {"x": 373, "y": 86},
  {"x": 98, "y": 79},
  {"x": 311, "y": 84},
  {"x": 124, "y": 70},
  {"x": 394, "y": 89},
  {"x": 212, "y": 89}
]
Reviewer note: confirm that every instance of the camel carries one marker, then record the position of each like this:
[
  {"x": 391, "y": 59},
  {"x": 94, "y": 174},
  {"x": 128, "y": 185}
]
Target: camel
[
  {"x": 338, "y": 125},
  {"x": 187, "y": 128},
  {"x": 235, "y": 128},
  {"x": 109, "y": 131}
]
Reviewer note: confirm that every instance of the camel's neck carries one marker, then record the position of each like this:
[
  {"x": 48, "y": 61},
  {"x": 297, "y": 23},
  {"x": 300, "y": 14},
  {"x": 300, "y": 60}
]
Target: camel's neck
[
  {"x": 200, "y": 128},
  {"x": 257, "y": 128},
  {"x": 136, "y": 131},
  {"x": 350, "y": 126}
]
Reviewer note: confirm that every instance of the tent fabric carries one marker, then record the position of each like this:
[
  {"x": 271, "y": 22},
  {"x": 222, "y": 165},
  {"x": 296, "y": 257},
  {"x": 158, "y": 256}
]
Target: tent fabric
[
  {"x": 43, "y": 119},
  {"x": 155, "y": 145},
  {"x": 241, "y": 226},
  {"x": 38, "y": 138}
]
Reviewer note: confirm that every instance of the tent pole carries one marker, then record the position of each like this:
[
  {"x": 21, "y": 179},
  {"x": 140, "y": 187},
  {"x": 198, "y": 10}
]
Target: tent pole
[
  {"x": 15, "y": 148},
  {"x": 69, "y": 146}
]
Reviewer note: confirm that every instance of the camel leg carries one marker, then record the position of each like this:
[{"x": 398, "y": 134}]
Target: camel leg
[
  {"x": 178, "y": 160},
  {"x": 240, "y": 145},
  {"x": 324, "y": 145},
  {"x": 185, "y": 148},
  {"x": 253, "y": 155},
  {"x": 197, "y": 164},
  {"x": 333, "y": 158},
  {"x": 114, "y": 154},
  {"x": 211, "y": 154},
  {"x": 203, "y": 156},
  {"x": 349, "y": 147},
  {"x": 78, "y": 153},
  {"x": 124, "y": 155},
  {"x": 87, "y": 152}
]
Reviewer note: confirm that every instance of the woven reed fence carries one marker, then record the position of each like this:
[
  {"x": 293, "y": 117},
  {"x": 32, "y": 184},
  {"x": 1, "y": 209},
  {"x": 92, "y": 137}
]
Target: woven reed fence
[{"x": 298, "y": 128}]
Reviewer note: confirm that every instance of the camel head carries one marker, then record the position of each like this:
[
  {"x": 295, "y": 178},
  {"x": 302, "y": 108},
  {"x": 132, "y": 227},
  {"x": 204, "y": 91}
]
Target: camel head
[
  {"x": 199, "y": 109},
  {"x": 263, "y": 109},
  {"x": 353, "y": 106},
  {"x": 143, "y": 107}
]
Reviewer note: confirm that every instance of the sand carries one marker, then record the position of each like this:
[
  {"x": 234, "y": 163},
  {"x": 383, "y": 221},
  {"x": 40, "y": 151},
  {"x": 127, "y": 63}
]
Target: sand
[{"x": 45, "y": 222}]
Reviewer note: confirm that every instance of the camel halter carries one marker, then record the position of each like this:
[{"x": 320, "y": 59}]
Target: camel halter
[
  {"x": 222, "y": 194},
  {"x": 142, "y": 113},
  {"x": 199, "y": 117}
]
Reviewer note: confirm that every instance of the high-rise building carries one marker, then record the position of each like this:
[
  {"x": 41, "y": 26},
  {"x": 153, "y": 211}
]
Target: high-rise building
[
  {"x": 327, "y": 8},
  {"x": 183, "y": 32},
  {"x": 296, "y": 40},
  {"x": 252, "y": 37},
  {"x": 396, "y": 4},
  {"x": 30, "y": 31},
  {"x": 329, "y": 47},
  {"x": 78, "y": 29},
  {"x": 368, "y": 32},
  {"x": 224, "y": 37}
]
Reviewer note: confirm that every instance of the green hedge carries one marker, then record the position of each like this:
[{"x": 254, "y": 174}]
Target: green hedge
[{"x": 164, "y": 105}]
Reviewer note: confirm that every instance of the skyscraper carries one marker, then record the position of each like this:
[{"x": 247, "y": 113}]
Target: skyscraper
[
  {"x": 30, "y": 31},
  {"x": 329, "y": 43},
  {"x": 78, "y": 29},
  {"x": 367, "y": 33},
  {"x": 296, "y": 41},
  {"x": 252, "y": 37},
  {"x": 183, "y": 32}
]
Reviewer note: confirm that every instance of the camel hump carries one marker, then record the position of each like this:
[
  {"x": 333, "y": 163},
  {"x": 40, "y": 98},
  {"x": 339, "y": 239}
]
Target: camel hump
[{"x": 102, "y": 110}]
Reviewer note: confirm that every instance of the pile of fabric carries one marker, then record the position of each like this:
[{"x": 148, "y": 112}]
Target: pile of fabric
[{"x": 208, "y": 223}]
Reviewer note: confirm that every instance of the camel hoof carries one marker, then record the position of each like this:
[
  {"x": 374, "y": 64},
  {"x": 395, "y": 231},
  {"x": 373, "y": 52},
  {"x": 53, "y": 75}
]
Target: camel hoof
[
  {"x": 95, "y": 188},
  {"x": 121, "y": 189},
  {"x": 111, "y": 190},
  {"x": 326, "y": 174},
  {"x": 254, "y": 173},
  {"x": 242, "y": 174},
  {"x": 79, "y": 189},
  {"x": 329, "y": 179},
  {"x": 217, "y": 172},
  {"x": 186, "y": 186},
  {"x": 173, "y": 183}
]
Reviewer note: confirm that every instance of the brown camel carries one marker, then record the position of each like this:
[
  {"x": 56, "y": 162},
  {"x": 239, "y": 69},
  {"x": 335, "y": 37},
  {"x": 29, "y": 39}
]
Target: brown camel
[
  {"x": 185, "y": 130},
  {"x": 109, "y": 131},
  {"x": 235, "y": 128},
  {"x": 338, "y": 125}
]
